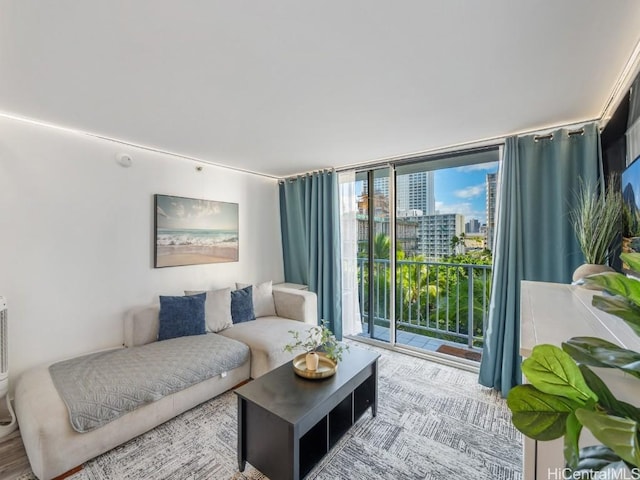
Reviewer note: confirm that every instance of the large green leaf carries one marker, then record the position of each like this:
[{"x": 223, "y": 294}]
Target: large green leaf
[
  {"x": 632, "y": 259},
  {"x": 616, "y": 283},
  {"x": 594, "y": 459},
  {"x": 571, "y": 439},
  {"x": 539, "y": 415},
  {"x": 619, "y": 434},
  {"x": 553, "y": 371},
  {"x": 606, "y": 399},
  {"x": 597, "y": 352},
  {"x": 620, "y": 307}
]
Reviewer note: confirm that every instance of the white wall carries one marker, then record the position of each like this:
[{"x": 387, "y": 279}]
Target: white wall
[{"x": 76, "y": 237}]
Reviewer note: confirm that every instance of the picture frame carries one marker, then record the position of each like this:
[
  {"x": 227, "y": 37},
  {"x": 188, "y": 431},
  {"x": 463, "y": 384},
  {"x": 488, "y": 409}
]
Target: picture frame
[{"x": 190, "y": 231}]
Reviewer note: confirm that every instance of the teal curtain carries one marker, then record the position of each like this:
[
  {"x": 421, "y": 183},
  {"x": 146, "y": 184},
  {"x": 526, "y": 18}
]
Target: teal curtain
[
  {"x": 534, "y": 238},
  {"x": 310, "y": 224}
]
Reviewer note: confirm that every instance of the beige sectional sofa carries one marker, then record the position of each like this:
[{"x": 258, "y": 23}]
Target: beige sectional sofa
[{"x": 54, "y": 447}]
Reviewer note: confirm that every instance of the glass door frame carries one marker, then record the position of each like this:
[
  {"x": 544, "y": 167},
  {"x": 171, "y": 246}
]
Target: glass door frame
[{"x": 390, "y": 170}]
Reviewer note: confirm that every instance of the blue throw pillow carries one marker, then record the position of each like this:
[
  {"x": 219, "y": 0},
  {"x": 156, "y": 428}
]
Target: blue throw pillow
[
  {"x": 181, "y": 316},
  {"x": 242, "y": 305}
]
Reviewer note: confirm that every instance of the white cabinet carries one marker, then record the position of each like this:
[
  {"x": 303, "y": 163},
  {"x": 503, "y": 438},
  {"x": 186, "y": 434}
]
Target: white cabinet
[{"x": 552, "y": 313}]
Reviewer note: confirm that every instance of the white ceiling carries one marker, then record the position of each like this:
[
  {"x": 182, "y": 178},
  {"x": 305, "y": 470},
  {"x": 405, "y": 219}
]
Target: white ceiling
[{"x": 287, "y": 86}]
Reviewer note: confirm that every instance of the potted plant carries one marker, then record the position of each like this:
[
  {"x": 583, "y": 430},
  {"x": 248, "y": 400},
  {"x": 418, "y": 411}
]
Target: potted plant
[
  {"x": 596, "y": 220},
  {"x": 319, "y": 338},
  {"x": 565, "y": 395}
]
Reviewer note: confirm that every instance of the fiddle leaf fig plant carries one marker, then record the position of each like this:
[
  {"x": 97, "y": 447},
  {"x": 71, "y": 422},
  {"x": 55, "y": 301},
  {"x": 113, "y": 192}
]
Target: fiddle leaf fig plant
[{"x": 564, "y": 395}]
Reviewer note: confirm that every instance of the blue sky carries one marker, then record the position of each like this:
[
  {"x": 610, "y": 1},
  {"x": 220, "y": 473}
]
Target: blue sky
[
  {"x": 463, "y": 190},
  {"x": 460, "y": 190}
]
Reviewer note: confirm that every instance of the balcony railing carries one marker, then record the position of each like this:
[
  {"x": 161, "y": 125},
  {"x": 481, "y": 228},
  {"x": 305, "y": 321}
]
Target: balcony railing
[{"x": 446, "y": 301}]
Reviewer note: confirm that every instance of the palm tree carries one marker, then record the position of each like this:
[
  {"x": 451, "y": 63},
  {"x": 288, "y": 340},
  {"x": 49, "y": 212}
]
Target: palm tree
[
  {"x": 381, "y": 247},
  {"x": 458, "y": 245}
]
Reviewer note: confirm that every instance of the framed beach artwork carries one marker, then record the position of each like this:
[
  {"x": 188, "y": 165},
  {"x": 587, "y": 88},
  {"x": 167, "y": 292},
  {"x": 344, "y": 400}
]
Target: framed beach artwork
[{"x": 189, "y": 231}]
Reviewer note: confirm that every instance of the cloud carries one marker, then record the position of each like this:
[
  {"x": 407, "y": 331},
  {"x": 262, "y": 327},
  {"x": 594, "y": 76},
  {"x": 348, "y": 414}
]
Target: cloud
[
  {"x": 206, "y": 208},
  {"x": 471, "y": 192},
  {"x": 478, "y": 166},
  {"x": 180, "y": 211}
]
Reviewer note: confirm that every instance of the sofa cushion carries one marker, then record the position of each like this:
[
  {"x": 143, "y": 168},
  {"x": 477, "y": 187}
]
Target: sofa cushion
[
  {"x": 263, "y": 304},
  {"x": 242, "y": 305},
  {"x": 217, "y": 308},
  {"x": 181, "y": 316},
  {"x": 266, "y": 337}
]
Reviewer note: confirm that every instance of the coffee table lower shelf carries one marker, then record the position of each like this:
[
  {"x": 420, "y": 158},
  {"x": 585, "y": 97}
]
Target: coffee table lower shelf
[{"x": 289, "y": 446}]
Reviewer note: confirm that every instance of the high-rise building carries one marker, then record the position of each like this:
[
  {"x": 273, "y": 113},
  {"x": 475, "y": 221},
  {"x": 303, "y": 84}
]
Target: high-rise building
[
  {"x": 435, "y": 233},
  {"x": 491, "y": 208},
  {"x": 416, "y": 191},
  {"x": 472, "y": 226},
  {"x": 381, "y": 186}
]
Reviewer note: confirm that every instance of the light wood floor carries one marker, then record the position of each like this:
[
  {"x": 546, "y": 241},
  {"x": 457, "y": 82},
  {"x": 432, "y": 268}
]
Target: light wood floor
[{"x": 13, "y": 458}]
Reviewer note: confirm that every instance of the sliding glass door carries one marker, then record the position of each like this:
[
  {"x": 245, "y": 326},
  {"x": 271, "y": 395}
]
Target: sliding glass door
[
  {"x": 375, "y": 247},
  {"x": 425, "y": 241}
]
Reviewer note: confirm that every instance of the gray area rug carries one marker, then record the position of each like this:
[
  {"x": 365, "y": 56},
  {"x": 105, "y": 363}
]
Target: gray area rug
[{"x": 434, "y": 422}]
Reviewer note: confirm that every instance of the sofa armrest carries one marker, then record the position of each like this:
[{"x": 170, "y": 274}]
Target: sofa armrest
[{"x": 298, "y": 305}]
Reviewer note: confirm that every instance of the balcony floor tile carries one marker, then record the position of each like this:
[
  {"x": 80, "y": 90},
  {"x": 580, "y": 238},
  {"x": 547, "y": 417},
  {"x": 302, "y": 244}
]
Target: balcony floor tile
[{"x": 414, "y": 340}]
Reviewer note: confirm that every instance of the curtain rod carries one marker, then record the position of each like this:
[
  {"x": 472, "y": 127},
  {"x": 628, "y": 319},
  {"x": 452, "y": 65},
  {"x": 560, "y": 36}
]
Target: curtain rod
[
  {"x": 549, "y": 136},
  {"x": 461, "y": 148},
  {"x": 407, "y": 160},
  {"x": 306, "y": 174}
]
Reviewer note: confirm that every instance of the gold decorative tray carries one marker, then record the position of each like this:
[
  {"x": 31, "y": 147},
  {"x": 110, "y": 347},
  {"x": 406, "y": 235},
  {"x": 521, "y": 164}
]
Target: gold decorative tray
[{"x": 326, "y": 367}]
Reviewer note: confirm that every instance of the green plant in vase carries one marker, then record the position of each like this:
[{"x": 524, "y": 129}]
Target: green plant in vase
[
  {"x": 596, "y": 221},
  {"x": 565, "y": 395},
  {"x": 318, "y": 339}
]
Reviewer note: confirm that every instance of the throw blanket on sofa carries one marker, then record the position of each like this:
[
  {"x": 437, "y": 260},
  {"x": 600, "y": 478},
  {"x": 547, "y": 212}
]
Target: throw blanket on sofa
[{"x": 103, "y": 386}]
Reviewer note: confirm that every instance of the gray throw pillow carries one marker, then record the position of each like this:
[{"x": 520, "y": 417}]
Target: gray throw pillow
[
  {"x": 263, "y": 304},
  {"x": 217, "y": 308}
]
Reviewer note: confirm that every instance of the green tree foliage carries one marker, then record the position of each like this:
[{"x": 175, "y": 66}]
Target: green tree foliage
[{"x": 432, "y": 298}]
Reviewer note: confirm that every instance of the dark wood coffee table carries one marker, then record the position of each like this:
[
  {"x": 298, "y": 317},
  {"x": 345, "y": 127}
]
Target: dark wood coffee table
[{"x": 286, "y": 423}]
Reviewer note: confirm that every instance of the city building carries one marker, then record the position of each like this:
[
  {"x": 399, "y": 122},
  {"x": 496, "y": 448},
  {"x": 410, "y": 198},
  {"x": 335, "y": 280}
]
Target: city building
[
  {"x": 472, "y": 226},
  {"x": 435, "y": 233},
  {"x": 416, "y": 215},
  {"x": 406, "y": 233},
  {"x": 416, "y": 191},
  {"x": 491, "y": 208}
]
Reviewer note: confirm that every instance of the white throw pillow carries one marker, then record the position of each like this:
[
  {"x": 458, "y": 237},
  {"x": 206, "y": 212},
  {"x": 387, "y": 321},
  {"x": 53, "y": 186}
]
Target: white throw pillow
[
  {"x": 217, "y": 308},
  {"x": 263, "y": 304}
]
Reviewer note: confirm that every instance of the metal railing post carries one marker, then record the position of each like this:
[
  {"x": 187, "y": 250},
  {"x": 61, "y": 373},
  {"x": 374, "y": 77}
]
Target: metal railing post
[
  {"x": 470, "y": 306},
  {"x": 414, "y": 323}
]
